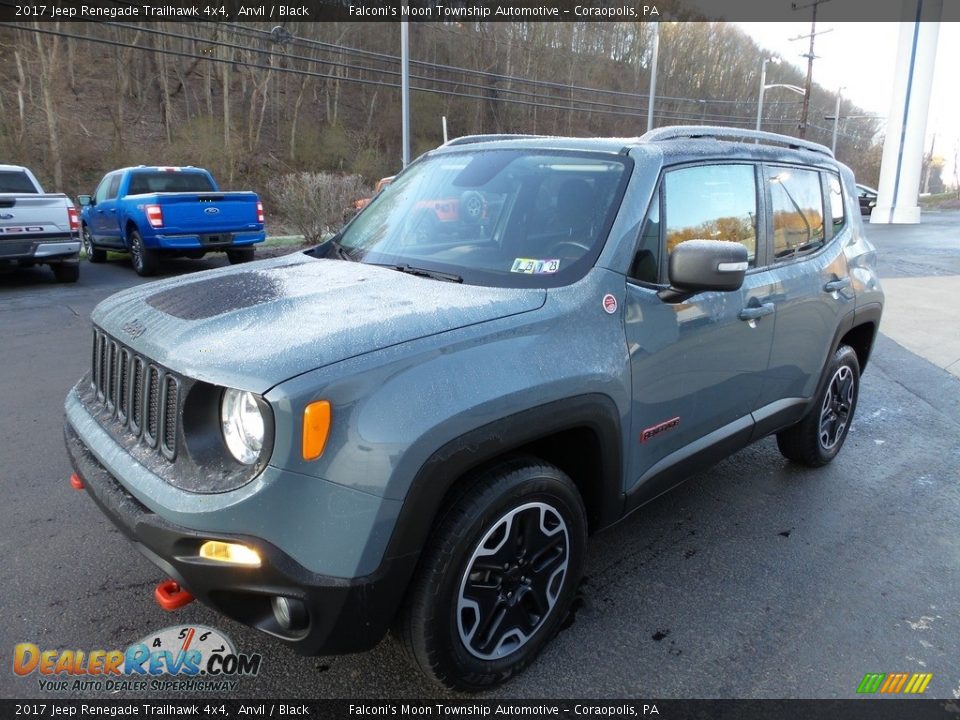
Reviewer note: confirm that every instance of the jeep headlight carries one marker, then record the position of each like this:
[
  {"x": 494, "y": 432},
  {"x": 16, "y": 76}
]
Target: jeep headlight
[{"x": 241, "y": 422}]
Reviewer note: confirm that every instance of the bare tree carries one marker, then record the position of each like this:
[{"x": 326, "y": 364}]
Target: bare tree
[{"x": 48, "y": 53}]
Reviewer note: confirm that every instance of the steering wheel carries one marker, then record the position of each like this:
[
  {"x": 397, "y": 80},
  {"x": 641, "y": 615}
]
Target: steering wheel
[
  {"x": 471, "y": 207},
  {"x": 556, "y": 247}
]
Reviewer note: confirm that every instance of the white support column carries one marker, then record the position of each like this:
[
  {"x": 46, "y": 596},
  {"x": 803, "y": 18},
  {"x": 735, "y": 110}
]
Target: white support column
[{"x": 907, "y": 121}]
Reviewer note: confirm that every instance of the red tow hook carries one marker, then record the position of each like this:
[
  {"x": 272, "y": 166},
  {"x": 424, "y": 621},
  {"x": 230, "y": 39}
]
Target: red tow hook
[
  {"x": 76, "y": 483},
  {"x": 170, "y": 596}
]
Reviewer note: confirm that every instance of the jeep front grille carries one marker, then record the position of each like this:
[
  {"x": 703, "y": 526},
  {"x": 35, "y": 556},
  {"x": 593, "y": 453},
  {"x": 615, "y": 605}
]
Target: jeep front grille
[{"x": 136, "y": 394}]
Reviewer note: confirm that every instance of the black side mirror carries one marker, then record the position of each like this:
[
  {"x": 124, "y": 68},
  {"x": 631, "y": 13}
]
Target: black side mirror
[
  {"x": 85, "y": 200},
  {"x": 700, "y": 265}
]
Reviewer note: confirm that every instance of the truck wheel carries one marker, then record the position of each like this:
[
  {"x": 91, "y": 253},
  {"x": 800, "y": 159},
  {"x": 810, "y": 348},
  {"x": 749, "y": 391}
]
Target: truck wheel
[
  {"x": 817, "y": 439},
  {"x": 94, "y": 254},
  {"x": 240, "y": 255},
  {"x": 145, "y": 260},
  {"x": 497, "y": 576},
  {"x": 66, "y": 272}
]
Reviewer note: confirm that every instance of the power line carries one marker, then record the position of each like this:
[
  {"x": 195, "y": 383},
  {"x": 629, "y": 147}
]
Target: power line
[
  {"x": 331, "y": 47},
  {"x": 630, "y": 112}
]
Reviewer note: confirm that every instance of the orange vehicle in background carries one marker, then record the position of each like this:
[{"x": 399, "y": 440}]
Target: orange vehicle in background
[{"x": 381, "y": 184}]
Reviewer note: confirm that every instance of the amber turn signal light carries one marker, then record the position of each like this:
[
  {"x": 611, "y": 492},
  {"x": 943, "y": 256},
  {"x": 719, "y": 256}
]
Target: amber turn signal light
[{"x": 316, "y": 427}]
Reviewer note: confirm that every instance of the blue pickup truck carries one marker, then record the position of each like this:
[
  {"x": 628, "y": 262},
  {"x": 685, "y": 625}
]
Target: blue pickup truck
[{"x": 173, "y": 211}]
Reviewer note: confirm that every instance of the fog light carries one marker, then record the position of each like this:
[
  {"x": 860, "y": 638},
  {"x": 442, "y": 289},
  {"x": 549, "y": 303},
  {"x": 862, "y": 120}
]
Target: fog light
[
  {"x": 231, "y": 553},
  {"x": 289, "y": 612}
]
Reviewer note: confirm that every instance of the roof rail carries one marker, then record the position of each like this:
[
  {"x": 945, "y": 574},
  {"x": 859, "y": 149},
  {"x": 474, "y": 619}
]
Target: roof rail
[
  {"x": 468, "y": 139},
  {"x": 679, "y": 132}
]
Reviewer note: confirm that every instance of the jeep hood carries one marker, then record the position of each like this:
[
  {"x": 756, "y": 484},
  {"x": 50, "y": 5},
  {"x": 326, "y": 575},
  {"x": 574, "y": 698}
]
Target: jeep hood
[{"x": 253, "y": 326}]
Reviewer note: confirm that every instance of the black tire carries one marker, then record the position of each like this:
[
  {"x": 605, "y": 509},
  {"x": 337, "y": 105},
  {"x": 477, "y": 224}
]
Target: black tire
[
  {"x": 145, "y": 261},
  {"x": 817, "y": 439},
  {"x": 66, "y": 272},
  {"x": 521, "y": 528},
  {"x": 94, "y": 254},
  {"x": 240, "y": 255}
]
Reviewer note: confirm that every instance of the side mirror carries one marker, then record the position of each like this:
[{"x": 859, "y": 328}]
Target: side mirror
[
  {"x": 84, "y": 200},
  {"x": 699, "y": 265}
]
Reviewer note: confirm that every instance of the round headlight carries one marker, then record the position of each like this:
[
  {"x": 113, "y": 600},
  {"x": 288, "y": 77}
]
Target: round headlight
[{"x": 242, "y": 425}]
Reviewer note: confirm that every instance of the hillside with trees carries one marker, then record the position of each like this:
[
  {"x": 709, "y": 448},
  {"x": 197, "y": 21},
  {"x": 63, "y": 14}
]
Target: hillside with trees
[{"x": 254, "y": 102}]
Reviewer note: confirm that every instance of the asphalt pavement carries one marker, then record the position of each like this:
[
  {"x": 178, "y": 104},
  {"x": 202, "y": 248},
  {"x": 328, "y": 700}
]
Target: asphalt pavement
[{"x": 755, "y": 579}]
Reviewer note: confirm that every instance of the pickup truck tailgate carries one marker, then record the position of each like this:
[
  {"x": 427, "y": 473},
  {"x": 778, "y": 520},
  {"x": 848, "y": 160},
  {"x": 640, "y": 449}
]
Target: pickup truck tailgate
[
  {"x": 26, "y": 220},
  {"x": 33, "y": 214},
  {"x": 213, "y": 212}
]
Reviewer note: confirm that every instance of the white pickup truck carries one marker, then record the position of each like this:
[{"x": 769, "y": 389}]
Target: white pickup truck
[{"x": 37, "y": 228}]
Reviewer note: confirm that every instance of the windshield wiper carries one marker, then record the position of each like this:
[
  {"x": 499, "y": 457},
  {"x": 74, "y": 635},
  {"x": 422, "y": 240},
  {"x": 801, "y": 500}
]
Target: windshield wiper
[
  {"x": 422, "y": 272},
  {"x": 342, "y": 252}
]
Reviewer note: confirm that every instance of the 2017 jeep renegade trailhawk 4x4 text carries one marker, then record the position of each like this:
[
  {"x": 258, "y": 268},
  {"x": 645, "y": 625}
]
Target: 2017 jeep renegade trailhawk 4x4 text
[{"x": 519, "y": 341}]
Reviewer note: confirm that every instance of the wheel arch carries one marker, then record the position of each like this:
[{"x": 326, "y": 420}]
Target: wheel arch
[
  {"x": 129, "y": 226},
  {"x": 863, "y": 333},
  {"x": 580, "y": 435}
]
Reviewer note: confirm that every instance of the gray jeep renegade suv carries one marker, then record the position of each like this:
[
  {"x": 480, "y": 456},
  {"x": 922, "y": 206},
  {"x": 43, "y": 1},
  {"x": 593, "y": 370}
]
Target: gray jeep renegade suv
[{"x": 522, "y": 339}]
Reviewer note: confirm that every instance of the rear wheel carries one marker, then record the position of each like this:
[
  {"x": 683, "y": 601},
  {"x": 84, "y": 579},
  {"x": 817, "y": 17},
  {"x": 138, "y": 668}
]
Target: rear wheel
[
  {"x": 817, "y": 439},
  {"x": 498, "y": 576},
  {"x": 66, "y": 272},
  {"x": 241, "y": 255},
  {"x": 94, "y": 254},
  {"x": 144, "y": 260}
]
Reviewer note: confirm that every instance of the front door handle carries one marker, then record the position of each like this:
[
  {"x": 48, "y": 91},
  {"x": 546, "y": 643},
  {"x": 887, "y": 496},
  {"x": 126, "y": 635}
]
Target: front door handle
[
  {"x": 837, "y": 285},
  {"x": 755, "y": 312}
]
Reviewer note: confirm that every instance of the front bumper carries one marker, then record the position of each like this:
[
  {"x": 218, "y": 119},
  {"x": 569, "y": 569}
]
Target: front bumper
[{"x": 343, "y": 615}]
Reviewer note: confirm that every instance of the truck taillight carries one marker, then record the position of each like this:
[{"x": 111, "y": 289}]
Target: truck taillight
[
  {"x": 154, "y": 215},
  {"x": 259, "y": 212},
  {"x": 74, "y": 219}
]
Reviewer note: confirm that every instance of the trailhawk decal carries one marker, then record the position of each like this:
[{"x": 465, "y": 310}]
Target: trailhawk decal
[{"x": 655, "y": 430}]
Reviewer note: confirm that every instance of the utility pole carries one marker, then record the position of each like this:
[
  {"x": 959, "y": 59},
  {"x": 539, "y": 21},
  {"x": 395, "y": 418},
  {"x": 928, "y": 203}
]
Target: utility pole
[
  {"x": 405, "y": 89},
  {"x": 655, "y": 57},
  {"x": 810, "y": 58}
]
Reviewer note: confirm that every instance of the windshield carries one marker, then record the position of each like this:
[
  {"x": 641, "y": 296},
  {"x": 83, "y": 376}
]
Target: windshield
[
  {"x": 505, "y": 218},
  {"x": 159, "y": 181}
]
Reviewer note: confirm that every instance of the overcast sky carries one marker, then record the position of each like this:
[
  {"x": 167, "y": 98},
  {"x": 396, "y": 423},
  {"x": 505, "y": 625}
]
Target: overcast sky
[{"x": 862, "y": 56}]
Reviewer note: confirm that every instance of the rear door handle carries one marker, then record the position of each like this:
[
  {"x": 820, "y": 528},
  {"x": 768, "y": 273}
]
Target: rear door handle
[
  {"x": 837, "y": 285},
  {"x": 756, "y": 312}
]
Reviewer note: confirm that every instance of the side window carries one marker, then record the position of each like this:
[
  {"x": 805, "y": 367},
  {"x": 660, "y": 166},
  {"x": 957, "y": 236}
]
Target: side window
[
  {"x": 114, "y": 186},
  {"x": 797, "y": 206},
  {"x": 712, "y": 202},
  {"x": 837, "y": 214},
  {"x": 646, "y": 261},
  {"x": 101, "y": 192}
]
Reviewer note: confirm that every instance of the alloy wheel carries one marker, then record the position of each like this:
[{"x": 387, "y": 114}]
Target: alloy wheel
[{"x": 512, "y": 580}]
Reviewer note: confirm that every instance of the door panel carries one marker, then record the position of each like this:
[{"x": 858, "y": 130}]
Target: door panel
[
  {"x": 811, "y": 293},
  {"x": 697, "y": 367}
]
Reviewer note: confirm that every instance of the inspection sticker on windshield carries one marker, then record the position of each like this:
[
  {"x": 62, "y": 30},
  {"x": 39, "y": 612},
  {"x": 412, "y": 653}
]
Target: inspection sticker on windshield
[{"x": 529, "y": 266}]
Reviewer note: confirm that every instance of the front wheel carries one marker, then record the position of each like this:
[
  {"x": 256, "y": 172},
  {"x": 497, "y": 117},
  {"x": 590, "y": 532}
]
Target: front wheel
[
  {"x": 498, "y": 577},
  {"x": 817, "y": 439},
  {"x": 144, "y": 260},
  {"x": 93, "y": 253}
]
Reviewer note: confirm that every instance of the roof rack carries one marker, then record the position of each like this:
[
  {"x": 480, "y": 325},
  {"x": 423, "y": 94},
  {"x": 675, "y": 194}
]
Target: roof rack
[
  {"x": 468, "y": 139},
  {"x": 679, "y": 132}
]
